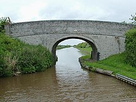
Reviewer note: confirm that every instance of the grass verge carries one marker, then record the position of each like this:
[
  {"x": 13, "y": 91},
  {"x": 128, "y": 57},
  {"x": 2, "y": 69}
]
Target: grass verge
[
  {"x": 85, "y": 51},
  {"x": 115, "y": 63}
]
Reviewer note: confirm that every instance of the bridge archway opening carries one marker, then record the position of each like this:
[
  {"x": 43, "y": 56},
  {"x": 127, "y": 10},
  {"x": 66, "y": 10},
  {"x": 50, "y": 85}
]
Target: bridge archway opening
[{"x": 94, "y": 54}]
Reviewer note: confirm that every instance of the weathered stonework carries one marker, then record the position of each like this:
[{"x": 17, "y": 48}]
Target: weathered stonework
[{"x": 107, "y": 38}]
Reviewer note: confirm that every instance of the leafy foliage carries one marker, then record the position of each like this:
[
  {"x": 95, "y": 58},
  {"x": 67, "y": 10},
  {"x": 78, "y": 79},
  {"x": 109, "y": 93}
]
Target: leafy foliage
[
  {"x": 133, "y": 18},
  {"x": 131, "y": 47},
  {"x": 8, "y": 48},
  {"x": 16, "y": 56},
  {"x": 34, "y": 59},
  {"x": 3, "y": 21}
]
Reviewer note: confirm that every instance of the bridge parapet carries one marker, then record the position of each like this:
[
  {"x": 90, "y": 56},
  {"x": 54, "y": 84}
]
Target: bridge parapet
[
  {"x": 67, "y": 27},
  {"x": 106, "y": 38}
]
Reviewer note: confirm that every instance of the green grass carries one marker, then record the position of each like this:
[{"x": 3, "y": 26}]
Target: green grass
[
  {"x": 84, "y": 48},
  {"x": 115, "y": 63},
  {"x": 85, "y": 51}
]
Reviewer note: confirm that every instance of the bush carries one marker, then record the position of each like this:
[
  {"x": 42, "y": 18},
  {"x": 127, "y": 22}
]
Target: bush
[
  {"x": 131, "y": 47},
  {"x": 7, "y": 61},
  {"x": 16, "y": 56},
  {"x": 34, "y": 59},
  {"x": 5, "y": 66},
  {"x": 3, "y": 21}
]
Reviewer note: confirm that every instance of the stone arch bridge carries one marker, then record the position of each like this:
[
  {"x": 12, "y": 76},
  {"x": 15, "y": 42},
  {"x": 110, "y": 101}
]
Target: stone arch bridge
[{"x": 106, "y": 38}]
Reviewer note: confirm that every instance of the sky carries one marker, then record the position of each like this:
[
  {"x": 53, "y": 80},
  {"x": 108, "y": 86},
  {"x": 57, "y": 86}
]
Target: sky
[{"x": 101, "y": 10}]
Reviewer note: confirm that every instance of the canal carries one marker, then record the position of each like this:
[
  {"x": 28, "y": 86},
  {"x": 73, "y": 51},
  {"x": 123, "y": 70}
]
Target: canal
[{"x": 66, "y": 82}]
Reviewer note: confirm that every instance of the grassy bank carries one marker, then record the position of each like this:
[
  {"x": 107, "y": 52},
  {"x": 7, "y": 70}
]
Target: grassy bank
[
  {"x": 85, "y": 51},
  {"x": 18, "y": 57},
  {"x": 115, "y": 63},
  {"x": 84, "y": 48},
  {"x": 62, "y": 46}
]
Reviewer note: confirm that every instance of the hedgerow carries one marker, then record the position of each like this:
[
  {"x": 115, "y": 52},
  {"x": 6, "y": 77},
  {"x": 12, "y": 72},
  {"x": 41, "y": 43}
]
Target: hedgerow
[
  {"x": 130, "y": 47},
  {"x": 16, "y": 56},
  {"x": 19, "y": 57}
]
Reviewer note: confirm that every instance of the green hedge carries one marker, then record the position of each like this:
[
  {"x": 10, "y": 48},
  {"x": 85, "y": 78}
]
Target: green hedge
[
  {"x": 16, "y": 56},
  {"x": 131, "y": 47},
  {"x": 34, "y": 59}
]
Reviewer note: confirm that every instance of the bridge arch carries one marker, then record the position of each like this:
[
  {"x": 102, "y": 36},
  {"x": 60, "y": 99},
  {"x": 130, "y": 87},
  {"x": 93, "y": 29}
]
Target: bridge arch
[
  {"x": 109, "y": 36},
  {"x": 94, "y": 54}
]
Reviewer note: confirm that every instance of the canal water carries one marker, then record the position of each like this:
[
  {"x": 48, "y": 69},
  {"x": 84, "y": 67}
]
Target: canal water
[{"x": 66, "y": 82}]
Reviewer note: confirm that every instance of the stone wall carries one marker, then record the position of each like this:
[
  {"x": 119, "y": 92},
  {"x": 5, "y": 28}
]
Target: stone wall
[{"x": 107, "y": 37}]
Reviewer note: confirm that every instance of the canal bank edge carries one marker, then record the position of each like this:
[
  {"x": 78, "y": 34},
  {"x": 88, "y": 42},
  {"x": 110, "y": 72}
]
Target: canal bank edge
[{"x": 109, "y": 73}]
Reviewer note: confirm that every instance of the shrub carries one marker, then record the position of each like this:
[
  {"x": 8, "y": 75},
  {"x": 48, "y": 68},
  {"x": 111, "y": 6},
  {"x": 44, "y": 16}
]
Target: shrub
[
  {"x": 5, "y": 69},
  {"x": 16, "y": 56},
  {"x": 131, "y": 47},
  {"x": 3, "y": 21},
  {"x": 34, "y": 59}
]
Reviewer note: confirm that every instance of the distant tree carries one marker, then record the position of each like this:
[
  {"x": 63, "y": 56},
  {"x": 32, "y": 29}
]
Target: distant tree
[
  {"x": 133, "y": 18},
  {"x": 124, "y": 22},
  {"x": 3, "y": 22}
]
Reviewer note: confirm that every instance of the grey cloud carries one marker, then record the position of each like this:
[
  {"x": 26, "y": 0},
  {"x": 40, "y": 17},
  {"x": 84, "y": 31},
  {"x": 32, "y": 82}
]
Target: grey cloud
[
  {"x": 108, "y": 10},
  {"x": 69, "y": 11}
]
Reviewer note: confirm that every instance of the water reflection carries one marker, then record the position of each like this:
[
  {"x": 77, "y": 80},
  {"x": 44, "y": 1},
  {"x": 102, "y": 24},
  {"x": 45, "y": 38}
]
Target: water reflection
[
  {"x": 78, "y": 84},
  {"x": 66, "y": 82}
]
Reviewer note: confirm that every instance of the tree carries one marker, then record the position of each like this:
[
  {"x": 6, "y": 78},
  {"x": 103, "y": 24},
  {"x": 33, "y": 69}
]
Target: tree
[
  {"x": 133, "y": 18},
  {"x": 3, "y": 22}
]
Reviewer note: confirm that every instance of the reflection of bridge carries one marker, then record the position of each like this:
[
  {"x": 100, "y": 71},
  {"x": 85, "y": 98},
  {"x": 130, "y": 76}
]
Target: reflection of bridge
[{"x": 107, "y": 38}]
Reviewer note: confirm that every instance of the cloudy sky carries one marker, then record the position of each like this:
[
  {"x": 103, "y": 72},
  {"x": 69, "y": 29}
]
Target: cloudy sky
[{"x": 33, "y": 10}]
